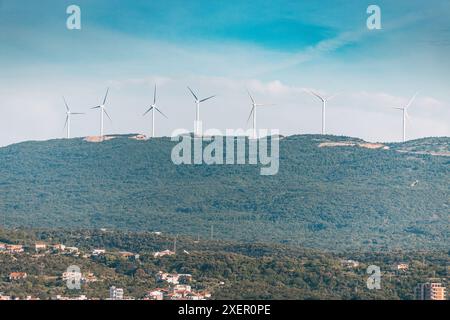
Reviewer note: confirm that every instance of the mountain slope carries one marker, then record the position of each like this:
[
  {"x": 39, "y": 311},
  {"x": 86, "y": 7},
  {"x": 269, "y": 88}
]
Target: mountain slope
[{"x": 330, "y": 197}]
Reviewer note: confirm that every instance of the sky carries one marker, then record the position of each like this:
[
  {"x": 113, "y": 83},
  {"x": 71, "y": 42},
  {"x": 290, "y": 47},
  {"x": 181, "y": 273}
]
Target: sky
[{"x": 276, "y": 49}]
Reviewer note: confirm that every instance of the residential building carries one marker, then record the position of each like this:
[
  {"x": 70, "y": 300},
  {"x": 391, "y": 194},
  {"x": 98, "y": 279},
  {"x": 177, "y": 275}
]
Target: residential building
[
  {"x": 182, "y": 287},
  {"x": 350, "y": 263},
  {"x": 163, "y": 253},
  {"x": 403, "y": 266},
  {"x": 97, "y": 252},
  {"x": 14, "y": 248},
  {"x": 172, "y": 278},
  {"x": 17, "y": 276},
  {"x": 69, "y": 276},
  {"x": 154, "y": 295},
  {"x": 38, "y": 246},
  {"x": 58, "y": 247},
  {"x": 89, "y": 277},
  {"x": 185, "y": 277},
  {"x": 81, "y": 297},
  {"x": 72, "y": 250},
  {"x": 430, "y": 291},
  {"x": 125, "y": 254},
  {"x": 115, "y": 293}
]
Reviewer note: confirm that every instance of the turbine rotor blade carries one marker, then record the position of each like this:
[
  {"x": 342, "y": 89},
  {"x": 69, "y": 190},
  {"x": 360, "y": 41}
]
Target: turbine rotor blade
[
  {"x": 412, "y": 99},
  {"x": 332, "y": 96},
  {"x": 157, "y": 109},
  {"x": 65, "y": 124},
  {"x": 154, "y": 96},
  {"x": 67, "y": 106},
  {"x": 316, "y": 95},
  {"x": 207, "y": 98},
  {"x": 251, "y": 112},
  {"x": 408, "y": 118},
  {"x": 95, "y": 107},
  {"x": 196, "y": 99},
  {"x": 150, "y": 109},
  {"x": 106, "y": 96},
  {"x": 253, "y": 100},
  {"x": 107, "y": 115}
]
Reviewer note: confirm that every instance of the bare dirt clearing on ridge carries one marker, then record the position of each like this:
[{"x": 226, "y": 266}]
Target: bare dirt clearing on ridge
[
  {"x": 97, "y": 139},
  {"x": 366, "y": 145}
]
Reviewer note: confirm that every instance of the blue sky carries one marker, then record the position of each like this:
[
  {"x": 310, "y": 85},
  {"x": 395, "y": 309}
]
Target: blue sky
[{"x": 275, "y": 48}]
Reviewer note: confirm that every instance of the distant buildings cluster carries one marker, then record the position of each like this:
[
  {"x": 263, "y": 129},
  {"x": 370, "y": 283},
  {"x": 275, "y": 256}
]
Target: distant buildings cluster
[
  {"x": 177, "y": 292},
  {"x": 11, "y": 248},
  {"x": 178, "y": 287}
]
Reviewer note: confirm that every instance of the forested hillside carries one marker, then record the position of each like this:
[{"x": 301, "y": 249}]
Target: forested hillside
[{"x": 325, "y": 196}]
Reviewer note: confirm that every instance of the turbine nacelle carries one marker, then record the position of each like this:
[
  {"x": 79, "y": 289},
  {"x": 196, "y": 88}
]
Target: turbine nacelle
[
  {"x": 197, "y": 100},
  {"x": 253, "y": 113},
  {"x": 102, "y": 112},
  {"x": 153, "y": 107},
  {"x": 68, "y": 114},
  {"x": 324, "y": 103},
  {"x": 197, "y": 115},
  {"x": 405, "y": 113}
]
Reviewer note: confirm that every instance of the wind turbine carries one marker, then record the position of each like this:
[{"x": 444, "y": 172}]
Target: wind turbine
[
  {"x": 405, "y": 113},
  {"x": 152, "y": 108},
  {"x": 68, "y": 114},
  {"x": 253, "y": 112},
  {"x": 103, "y": 111},
  {"x": 197, "y": 117},
  {"x": 324, "y": 107}
]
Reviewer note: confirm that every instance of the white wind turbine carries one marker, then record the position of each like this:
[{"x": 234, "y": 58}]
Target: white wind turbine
[
  {"x": 68, "y": 114},
  {"x": 152, "y": 108},
  {"x": 324, "y": 107},
  {"x": 253, "y": 112},
  {"x": 103, "y": 111},
  {"x": 405, "y": 113},
  {"x": 197, "y": 117}
]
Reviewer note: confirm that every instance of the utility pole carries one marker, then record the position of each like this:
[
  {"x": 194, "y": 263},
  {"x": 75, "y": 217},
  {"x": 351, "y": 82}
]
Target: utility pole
[
  {"x": 212, "y": 232},
  {"x": 175, "y": 244}
]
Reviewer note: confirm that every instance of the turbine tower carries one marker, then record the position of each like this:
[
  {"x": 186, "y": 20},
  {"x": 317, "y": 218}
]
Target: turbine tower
[
  {"x": 405, "y": 113},
  {"x": 197, "y": 117},
  {"x": 152, "y": 108},
  {"x": 102, "y": 112},
  {"x": 253, "y": 112},
  {"x": 68, "y": 114},
  {"x": 324, "y": 107}
]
